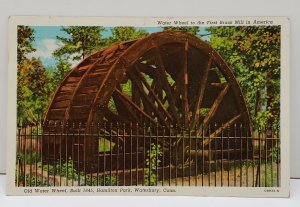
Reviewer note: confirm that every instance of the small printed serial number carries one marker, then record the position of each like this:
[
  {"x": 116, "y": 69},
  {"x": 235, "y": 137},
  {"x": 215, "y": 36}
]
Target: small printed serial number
[{"x": 271, "y": 190}]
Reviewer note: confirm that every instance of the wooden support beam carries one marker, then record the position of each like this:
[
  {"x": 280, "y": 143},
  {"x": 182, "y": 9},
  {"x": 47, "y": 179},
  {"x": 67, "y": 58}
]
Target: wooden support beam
[
  {"x": 185, "y": 102},
  {"x": 146, "y": 100},
  {"x": 145, "y": 68},
  {"x": 166, "y": 85},
  {"x": 220, "y": 129},
  {"x": 114, "y": 118},
  {"x": 177, "y": 85},
  {"x": 215, "y": 105},
  {"x": 136, "y": 97},
  {"x": 220, "y": 85},
  {"x": 200, "y": 95},
  {"x": 136, "y": 107},
  {"x": 158, "y": 101},
  {"x": 154, "y": 87},
  {"x": 124, "y": 109}
]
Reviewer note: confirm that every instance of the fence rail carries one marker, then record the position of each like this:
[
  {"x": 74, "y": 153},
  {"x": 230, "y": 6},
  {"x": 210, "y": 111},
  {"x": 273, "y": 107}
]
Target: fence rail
[{"x": 107, "y": 154}]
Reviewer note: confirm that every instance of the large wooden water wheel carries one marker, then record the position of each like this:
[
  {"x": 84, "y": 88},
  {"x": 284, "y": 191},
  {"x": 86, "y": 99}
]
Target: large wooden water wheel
[{"x": 165, "y": 78}]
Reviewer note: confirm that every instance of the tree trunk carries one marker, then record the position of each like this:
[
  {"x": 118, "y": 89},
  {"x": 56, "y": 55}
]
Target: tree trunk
[{"x": 258, "y": 104}]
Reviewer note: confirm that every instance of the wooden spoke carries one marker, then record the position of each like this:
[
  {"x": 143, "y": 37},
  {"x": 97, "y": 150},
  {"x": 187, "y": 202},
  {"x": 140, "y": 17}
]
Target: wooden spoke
[
  {"x": 200, "y": 95},
  {"x": 220, "y": 85},
  {"x": 117, "y": 118},
  {"x": 136, "y": 97},
  {"x": 156, "y": 98},
  {"x": 165, "y": 83},
  {"x": 124, "y": 108},
  {"x": 113, "y": 117},
  {"x": 164, "y": 100},
  {"x": 146, "y": 100},
  {"x": 153, "y": 86},
  {"x": 215, "y": 105},
  {"x": 185, "y": 102},
  {"x": 134, "y": 106},
  {"x": 178, "y": 87},
  {"x": 220, "y": 129},
  {"x": 145, "y": 68},
  {"x": 159, "y": 90}
]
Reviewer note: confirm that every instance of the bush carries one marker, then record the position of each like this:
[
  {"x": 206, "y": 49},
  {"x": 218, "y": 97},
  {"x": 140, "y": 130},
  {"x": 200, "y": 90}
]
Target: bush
[
  {"x": 152, "y": 163},
  {"x": 30, "y": 158},
  {"x": 106, "y": 181}
]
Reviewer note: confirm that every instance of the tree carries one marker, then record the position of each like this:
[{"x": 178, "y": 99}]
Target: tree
[
  {"x": 121, "y": 34},
  {"x": 192, "y": 30},
  {"x": 34, "y": 90},
  {"x": 62, "y": 68},
  {"x": 254, "y": 53},
  {"x": 81, "y": 41},
  {"x": 25, "y": 39}
]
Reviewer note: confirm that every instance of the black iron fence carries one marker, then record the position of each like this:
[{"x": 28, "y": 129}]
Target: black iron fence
[{"x": 107, "y": 154}]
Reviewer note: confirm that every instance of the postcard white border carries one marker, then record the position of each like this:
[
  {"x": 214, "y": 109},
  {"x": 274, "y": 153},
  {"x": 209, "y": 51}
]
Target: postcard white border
[{"x": 282, "y": 191}]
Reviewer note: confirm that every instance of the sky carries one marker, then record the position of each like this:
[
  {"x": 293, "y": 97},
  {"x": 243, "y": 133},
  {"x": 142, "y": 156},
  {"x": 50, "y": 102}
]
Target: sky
[{"x": 46, "y": 42}]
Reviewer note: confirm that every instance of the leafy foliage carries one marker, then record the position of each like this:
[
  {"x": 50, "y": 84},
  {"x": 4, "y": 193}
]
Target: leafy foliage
[
  {"x": 62, "y": 68},
  {"x": 32, "y": 180},
  {"x": 153, "y": 161},
  {"x": 192, "y": 30},
  {"x": 254, "y": 53},
  {"x": 34, "y": 90},
  {"x": 66, "y": 170},
  {"x": 30, "y": 158},
  {"x": 121, "y": 34},
  {"x": 101, "y": 181},
  {"x": 82, "y": 41},
  {"x": 25, "y": 38},
  {"x": 63, "y": 169}
]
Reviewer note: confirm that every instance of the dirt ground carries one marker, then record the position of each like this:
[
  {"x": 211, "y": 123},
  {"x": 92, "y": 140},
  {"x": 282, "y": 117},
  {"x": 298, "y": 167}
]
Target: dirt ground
[{"x": 240, "y": 177}]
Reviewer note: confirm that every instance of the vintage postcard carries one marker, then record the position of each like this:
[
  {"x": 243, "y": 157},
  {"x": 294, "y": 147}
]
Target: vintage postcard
[{"x": 148, "y": 106}]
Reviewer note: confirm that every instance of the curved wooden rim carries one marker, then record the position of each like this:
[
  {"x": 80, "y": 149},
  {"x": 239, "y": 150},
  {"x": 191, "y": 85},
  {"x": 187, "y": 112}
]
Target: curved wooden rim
[
  {"x": 141, "y": 46},
  {"x": 131, "y": 54}
]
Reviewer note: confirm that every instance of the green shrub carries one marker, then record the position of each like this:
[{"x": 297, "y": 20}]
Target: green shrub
[
  {"x": 30, "y": 158},
  {"x": 63, "y": 169},
  {"x": 100, "y": 181},
  {"x": 153, "y": 161}
]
